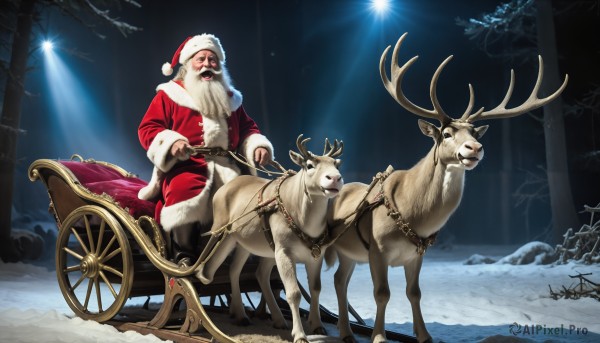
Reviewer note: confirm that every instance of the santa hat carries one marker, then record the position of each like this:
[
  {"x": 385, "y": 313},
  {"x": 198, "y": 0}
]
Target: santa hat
[{"x": 190, "y": 47}]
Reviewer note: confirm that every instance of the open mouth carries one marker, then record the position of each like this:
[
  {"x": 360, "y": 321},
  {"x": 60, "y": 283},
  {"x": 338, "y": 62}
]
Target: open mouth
[
  {"x": 467, "y": 160},
  {"x": 207, "y": 75},
  {"x": 331, "y": 191}
]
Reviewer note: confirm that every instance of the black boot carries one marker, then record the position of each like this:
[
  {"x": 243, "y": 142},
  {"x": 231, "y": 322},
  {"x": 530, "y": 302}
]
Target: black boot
[{"x": 184, "y": 241}]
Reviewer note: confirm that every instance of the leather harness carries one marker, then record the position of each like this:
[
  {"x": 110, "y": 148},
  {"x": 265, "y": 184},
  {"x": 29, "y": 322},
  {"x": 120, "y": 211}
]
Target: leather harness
[
  {"x": 268, "y": 207},
  {"x": 381, "y": 199},
  {"x": 316, "y": 245}
]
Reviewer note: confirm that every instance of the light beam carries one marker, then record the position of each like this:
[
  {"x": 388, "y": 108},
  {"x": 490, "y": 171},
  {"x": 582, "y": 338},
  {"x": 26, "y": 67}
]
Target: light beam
[
  {"x": 47, "y": 46},
  {"x": 380, "y": 6},
  {"x": 79, "y": 121}
]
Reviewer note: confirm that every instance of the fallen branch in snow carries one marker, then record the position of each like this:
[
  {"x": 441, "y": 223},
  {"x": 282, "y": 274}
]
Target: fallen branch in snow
[
  {"x": 584, "y": 288},
  {"x": 583, "y": 245},
  {"x": 532, "y": 252}
]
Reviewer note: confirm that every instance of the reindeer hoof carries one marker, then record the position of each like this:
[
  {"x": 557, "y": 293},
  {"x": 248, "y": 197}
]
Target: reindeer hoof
[
  {"x": 349, "y": 339},
  {"x": 301, "y": 340},
  {"x": 320, "y": 331}
]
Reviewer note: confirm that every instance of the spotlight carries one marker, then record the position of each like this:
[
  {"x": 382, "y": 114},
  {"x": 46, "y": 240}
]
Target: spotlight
[
  {"x": 47, "y": 46},
  {"x": 380, "y": 6}
]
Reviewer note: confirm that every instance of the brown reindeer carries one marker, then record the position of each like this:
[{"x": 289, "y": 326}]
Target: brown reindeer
[
  {"x": 392, "y": 221},
  {"x": 288, "y": 226}
]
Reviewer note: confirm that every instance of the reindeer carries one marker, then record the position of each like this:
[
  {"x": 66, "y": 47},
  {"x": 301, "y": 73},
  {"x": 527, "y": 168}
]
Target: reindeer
[
  {"x": 288, "y": 227},
  {"x": 393, "y": 220}
]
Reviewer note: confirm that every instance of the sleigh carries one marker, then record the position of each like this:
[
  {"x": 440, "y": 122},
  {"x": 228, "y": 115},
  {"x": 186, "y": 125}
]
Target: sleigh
[{"x": 110, "y": 249}]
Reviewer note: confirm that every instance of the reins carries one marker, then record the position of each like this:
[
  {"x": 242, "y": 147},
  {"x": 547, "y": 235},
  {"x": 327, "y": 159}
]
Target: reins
[
  {"x": 265, "y": 208},
  {"x": 218, "y": 235},
  {"x": 380, "y": 198},
  {"x": 262, "y": 209},
  {"x": 314, "y": 245},
  {"x": 216, "y": 151}
]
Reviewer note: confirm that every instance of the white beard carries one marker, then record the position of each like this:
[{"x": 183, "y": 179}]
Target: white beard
[{"x": 211, "y": 97}]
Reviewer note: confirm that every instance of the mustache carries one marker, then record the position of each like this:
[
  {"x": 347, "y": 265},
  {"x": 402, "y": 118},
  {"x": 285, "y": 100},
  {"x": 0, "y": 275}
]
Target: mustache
[{"x": 212, "y": 70}]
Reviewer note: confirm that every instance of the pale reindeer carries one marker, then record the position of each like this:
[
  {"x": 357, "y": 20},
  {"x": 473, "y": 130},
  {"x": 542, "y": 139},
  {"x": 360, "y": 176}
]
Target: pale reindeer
[
  {"x": 288, "y": 226},
  {"x": 392, "y": 221}
]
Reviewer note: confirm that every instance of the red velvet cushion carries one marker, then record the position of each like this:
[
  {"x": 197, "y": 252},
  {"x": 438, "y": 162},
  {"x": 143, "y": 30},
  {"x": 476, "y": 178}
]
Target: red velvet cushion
[
  {"x": 91, "y": 172},
  {"x": 102, "y": 179}
]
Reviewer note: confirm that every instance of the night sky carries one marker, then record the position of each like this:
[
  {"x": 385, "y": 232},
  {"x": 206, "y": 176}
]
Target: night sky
[{"x": 310, "y": 67}]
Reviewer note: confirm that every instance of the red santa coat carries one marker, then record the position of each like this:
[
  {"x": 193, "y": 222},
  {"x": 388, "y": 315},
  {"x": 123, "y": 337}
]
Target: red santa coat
[{"x": 185, "y": 186}]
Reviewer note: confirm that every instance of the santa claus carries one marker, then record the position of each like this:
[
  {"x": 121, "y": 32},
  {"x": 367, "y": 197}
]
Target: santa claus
[{"x": 199, "y": 107}]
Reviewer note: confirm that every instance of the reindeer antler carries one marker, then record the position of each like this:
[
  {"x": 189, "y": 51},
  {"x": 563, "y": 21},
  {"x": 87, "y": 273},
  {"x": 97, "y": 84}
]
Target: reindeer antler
[
  {"x": 394, "y": 86},
  {"x": 530, "y": 104},
  {"x": 301, "y": 144},
  {"x": 335, "y": 150}
]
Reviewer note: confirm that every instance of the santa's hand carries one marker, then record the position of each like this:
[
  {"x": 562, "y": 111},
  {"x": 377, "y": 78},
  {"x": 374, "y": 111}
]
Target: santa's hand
[
  {"x": 262, "y": 156},
  {"x": 180, "y": 150}
]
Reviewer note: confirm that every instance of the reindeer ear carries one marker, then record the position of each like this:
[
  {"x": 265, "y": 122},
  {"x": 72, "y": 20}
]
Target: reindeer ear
[
  {"x": 480, "y": 131},
  {"x": 297, "y": 158},
  {"x": 429, "y": 129}
]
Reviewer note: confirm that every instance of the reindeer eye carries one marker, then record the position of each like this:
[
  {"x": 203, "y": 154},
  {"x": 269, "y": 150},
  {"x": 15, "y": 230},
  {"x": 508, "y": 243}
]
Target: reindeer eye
[
  {"x": 447, "y": 134},
  {"x": 309, "y": 165}
]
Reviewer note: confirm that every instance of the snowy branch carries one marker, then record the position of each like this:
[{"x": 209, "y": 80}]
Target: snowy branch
[
  {"x": 512, "y": 23},
  {"x": 583, "y": 245},
  {"x": 77, "y": 9},
  {"x": 122, "y": 26}
]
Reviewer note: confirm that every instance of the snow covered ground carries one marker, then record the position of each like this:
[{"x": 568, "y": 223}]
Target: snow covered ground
[
  {"x": 467, "y": 303},
  {"x": 461, "y": 303}
]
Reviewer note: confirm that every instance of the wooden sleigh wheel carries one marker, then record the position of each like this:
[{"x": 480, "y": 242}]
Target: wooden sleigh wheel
[{"x": 94, "y": 264}]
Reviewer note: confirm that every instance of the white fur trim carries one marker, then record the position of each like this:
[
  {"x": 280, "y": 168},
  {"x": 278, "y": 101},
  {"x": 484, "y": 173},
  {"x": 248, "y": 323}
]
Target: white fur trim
[
  {"x": 159, "y": 151},
  {"x": 215, "y": 132},
  {"x": 235, "y": 101},
  {"x": 166, "y": 69},
  {"x": 196, "y": 209},
  {"x": 199, "y": 208},
  {"x": 182, "y": 98},
  {"x": 202, "y": 42},
  {"x": 153, "y": 188},
  {"x": 251, "y": 143},
  {"x": 178, "y": 94}
]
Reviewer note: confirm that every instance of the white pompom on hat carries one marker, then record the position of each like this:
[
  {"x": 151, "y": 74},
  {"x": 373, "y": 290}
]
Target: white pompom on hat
[{"x": 190, "y": 47}]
